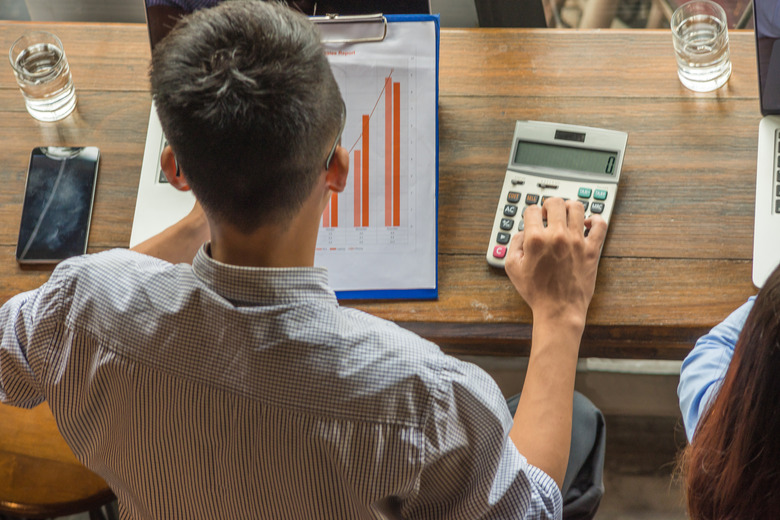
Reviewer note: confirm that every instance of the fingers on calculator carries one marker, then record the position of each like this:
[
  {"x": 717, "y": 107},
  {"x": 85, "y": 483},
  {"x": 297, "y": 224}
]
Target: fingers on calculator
[
  {"x": 551, "y": 161},
  {"x": 556, "y": 215},
  {"x": 564, "y": 212}
]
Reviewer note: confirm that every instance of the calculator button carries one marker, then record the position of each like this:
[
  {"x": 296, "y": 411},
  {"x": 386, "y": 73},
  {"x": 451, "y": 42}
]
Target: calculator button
[
  {"x": 521, "y": 225},
  {"x": 777, "y": 206},
  {"x": 778, "y": 190},
  {"x": 510, "y": 210},
  {"x": 585, "y": 203},
  {"x": 600, "y": 194},
  {"x": 597, "y": 207},
  {"x": 513, "y": 196},
  {"x": 507, "y": 224},
  {"x": 545, "y": 198},
  {"x": 499, "y": 251},
  {"x": 584, "y": 193},
  {"x": 531, "y": 199},
  {"x": 503, "y": 238}
]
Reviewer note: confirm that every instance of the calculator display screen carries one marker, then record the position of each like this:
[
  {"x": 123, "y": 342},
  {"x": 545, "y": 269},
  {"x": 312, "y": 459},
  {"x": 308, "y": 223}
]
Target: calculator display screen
[{"x": 565, "y": 157}]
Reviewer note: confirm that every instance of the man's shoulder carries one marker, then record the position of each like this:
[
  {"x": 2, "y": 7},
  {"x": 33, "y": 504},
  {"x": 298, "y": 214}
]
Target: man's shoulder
[
  {"x": 387, "y": 343},
  {"x": 380, "y": 328},
  {"x": 117, "y": 269},
  {"x": 118, "y": 262}
]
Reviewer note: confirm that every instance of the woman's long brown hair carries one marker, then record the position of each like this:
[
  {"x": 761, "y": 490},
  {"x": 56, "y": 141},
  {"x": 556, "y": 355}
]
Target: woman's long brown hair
[{"x": 732, "y": 466}]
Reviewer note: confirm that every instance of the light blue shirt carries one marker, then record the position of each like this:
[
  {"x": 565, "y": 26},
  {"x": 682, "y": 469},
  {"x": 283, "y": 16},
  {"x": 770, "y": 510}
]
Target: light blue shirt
[
  {"x": 705, "y": 366},
  {"x": 215, "y": 391}
]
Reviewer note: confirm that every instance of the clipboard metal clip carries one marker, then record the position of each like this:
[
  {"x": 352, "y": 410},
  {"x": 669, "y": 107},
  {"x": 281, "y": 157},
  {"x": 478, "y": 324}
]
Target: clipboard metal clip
[{"x": 373, "y": 28}]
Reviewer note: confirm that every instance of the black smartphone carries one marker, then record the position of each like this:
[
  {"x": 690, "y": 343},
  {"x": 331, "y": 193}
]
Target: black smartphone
[{"x": 57, "y": 210}]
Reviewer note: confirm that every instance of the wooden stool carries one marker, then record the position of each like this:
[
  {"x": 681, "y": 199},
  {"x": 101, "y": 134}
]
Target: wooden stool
[{"x": 39, "y": 475}]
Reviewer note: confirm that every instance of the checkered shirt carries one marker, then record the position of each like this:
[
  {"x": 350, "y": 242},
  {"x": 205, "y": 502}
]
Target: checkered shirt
[{"x": 216, "y": 391}]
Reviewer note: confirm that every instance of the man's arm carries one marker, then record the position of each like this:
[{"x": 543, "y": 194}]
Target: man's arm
[
  {"x": 554, "y": 269},
  {"x": 178, "y": 243}
]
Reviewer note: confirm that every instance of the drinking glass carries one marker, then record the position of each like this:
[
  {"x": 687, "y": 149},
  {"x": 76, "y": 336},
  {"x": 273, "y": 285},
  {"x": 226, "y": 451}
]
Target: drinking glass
[
  {"x": 43, "y": 75},
  {"x": 701, "y": 43}
]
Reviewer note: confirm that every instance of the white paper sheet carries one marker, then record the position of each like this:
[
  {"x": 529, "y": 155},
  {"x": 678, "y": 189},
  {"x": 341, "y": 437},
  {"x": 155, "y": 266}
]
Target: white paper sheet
[{"x": 380, "y": 233}]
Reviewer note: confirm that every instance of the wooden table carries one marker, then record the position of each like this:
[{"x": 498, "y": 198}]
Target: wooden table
[
  {"x": 39, "y": 476},
  {"x": 678, "y": 255}
]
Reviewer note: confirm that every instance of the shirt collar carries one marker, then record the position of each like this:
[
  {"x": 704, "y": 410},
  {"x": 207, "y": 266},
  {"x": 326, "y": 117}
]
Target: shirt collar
[{"x": 263, "y": 285}]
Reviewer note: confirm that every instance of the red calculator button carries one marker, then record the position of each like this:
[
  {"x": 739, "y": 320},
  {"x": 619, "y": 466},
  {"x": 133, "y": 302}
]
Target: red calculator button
[{"x": 499, "y": 251}]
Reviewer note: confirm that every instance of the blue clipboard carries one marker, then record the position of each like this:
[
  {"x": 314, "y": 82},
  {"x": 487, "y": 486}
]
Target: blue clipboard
[{"x": 382, "y": 27}]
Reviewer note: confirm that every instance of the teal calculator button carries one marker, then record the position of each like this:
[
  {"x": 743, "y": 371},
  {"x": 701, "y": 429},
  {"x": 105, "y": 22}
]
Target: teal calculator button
[
  {"x": 584, "y": 193},
  {"x": 600, "y": 194}
]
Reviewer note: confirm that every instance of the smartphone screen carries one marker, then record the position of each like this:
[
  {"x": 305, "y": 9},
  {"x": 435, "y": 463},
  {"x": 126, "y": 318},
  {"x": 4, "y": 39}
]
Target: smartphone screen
[{"x": 57, "y": 206}]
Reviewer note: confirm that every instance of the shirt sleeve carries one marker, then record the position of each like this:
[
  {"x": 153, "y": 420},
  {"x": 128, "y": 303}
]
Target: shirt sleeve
[
  {"x": 20, "y": 382},
  {"x": 705, "y": 366},
  {"x": 472, "y": 469}
]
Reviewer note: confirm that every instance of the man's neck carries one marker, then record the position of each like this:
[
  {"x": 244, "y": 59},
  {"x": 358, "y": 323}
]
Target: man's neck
[{"x": 285, "y": 244}]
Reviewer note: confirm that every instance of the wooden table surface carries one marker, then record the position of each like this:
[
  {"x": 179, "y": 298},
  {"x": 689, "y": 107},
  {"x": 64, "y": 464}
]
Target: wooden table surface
[
  {"x": 678, "y": 254},
  {"x": 39, "y": 475}
]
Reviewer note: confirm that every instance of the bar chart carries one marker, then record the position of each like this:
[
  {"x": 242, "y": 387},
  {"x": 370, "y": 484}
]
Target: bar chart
[{"x": 374, "y": 210}]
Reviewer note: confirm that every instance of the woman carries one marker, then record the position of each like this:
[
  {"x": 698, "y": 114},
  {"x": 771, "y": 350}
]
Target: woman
[{"x": 730, "y": 398}]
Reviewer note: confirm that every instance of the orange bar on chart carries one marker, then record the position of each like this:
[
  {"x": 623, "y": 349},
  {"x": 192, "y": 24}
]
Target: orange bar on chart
[
  {"x": 388, "y": 152},
  {"x": 326, "y": 216},
  {"x": 396, "y": 154},
  {"x": 364, "y": 186},
  {"x": 358, "y": 163},
  {"x": 334, "y": 209}
]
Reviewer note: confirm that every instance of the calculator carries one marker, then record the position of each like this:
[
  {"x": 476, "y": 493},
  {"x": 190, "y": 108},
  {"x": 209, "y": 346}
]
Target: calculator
[{"x": 556, "y": 160}]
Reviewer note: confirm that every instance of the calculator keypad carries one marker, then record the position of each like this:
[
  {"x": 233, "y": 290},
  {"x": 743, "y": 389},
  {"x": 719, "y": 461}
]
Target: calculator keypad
[{"x": 512, "y": 206}]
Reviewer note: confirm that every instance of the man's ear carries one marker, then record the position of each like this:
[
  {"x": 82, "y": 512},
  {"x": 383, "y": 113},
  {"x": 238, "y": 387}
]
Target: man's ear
[
  {"x": 336, "y": 176},
  {"x": 172, "y": 170}
]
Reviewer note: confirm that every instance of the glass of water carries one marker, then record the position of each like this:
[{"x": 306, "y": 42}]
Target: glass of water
[
  {"x": 701, "y": 43},
  {"x": 43, "y": 75}
]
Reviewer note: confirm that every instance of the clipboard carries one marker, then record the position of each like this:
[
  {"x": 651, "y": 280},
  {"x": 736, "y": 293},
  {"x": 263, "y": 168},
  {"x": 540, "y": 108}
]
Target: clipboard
[
  {"x": 379, "y": 238},
  {"x": 371, "y": 28}
]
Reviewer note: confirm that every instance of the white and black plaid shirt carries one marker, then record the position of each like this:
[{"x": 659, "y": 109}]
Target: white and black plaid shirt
[{"x": 214, "y": 391}]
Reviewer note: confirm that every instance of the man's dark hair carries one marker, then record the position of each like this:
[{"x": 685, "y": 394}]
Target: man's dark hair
[{"x": 248, "y": 102}]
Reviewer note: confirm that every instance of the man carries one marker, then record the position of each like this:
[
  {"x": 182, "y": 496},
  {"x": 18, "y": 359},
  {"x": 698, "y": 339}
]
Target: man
[{"x": 236, "y": 387}]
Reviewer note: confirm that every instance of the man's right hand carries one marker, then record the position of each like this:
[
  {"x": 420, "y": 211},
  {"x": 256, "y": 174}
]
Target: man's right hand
[{"x": 554, "y": 267}]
